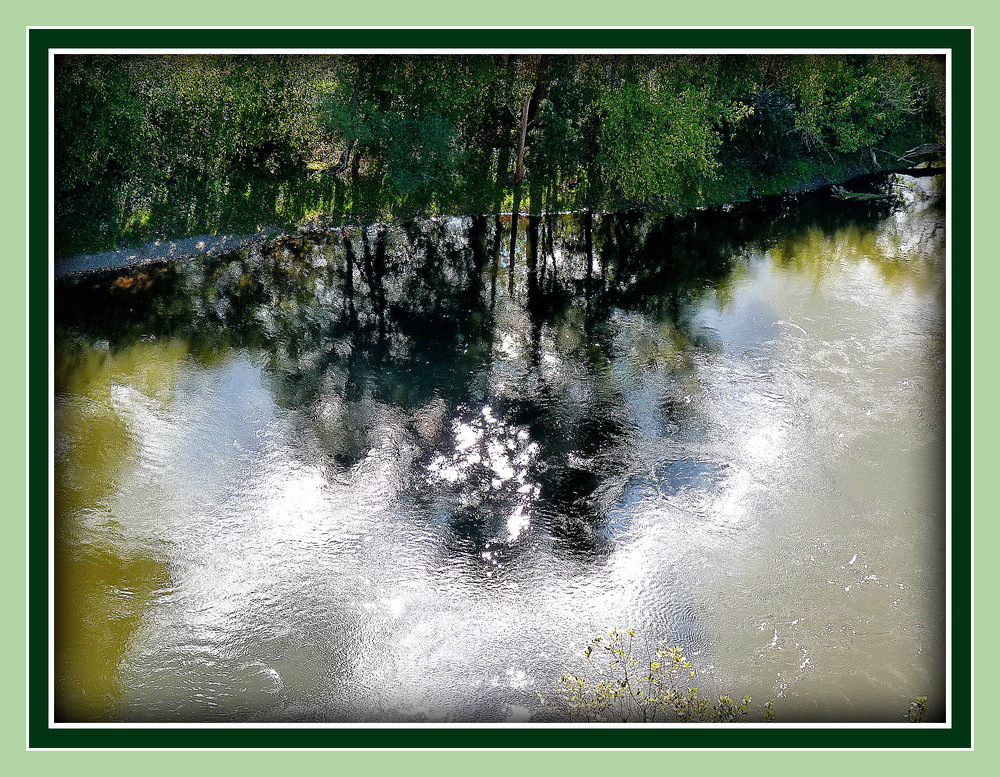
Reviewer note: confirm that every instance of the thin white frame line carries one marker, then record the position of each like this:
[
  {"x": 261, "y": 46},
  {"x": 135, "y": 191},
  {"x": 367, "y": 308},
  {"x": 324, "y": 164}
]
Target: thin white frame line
[{"x": 388, "y": 51}]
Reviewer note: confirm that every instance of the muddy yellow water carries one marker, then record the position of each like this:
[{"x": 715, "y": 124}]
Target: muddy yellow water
[{"x": 103, "y": 586}]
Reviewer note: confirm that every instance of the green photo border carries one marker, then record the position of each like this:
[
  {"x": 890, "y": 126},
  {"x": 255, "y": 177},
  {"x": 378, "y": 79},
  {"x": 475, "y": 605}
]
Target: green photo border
[{"x": 958, "y": 735}]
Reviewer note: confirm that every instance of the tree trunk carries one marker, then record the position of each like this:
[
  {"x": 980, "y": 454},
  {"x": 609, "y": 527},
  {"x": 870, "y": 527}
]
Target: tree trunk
[
  {"x": 522, "y": 136},
  {"x": 345, "y": 161},
  {"x": 920, "y": 172},
  {"x": 529, "y": 115}
]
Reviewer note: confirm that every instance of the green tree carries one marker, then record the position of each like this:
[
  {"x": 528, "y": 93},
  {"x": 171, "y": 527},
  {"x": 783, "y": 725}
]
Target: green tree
[{"x": 165, "y": 146}]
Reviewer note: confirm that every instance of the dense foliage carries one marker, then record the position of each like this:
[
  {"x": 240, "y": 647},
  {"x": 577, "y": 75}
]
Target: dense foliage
[{"x": 157, "y": 146}]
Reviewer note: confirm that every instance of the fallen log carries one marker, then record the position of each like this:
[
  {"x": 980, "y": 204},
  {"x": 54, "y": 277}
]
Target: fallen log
[
  {"x": 924, "y": 149},
  {"x": 842, "y": 194},
  {"x": 921, "y": 172}
]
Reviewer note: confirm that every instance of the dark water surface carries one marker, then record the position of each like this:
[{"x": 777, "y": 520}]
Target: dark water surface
[{"x": 379, "y": 476}]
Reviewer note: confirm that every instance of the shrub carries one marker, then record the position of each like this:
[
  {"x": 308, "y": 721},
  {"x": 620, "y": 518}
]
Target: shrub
[
  {"x": 917, "y": 710},
  {"x": 626, "y": 689}
]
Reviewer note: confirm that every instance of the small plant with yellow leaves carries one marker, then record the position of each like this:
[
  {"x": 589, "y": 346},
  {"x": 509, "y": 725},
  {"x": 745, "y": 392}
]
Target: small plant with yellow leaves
[{"x": 626, "y": 689}]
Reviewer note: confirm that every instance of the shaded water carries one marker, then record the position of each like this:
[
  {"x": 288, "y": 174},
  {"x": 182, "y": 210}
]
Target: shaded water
[{"x": 390, "y": 475}]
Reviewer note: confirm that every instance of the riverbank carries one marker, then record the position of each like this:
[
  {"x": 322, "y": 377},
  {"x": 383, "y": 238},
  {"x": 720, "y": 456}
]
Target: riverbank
[
  {"x": 159, "y": 251},
  {"x": 184, "y": 248}
]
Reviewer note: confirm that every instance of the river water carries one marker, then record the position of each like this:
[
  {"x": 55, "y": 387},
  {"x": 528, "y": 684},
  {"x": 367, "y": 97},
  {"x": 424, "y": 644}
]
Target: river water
[{"x": 389, "y": 475}]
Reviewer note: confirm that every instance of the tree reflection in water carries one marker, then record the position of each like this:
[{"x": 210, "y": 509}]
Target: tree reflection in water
[{"x": 521, "y": 423}]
